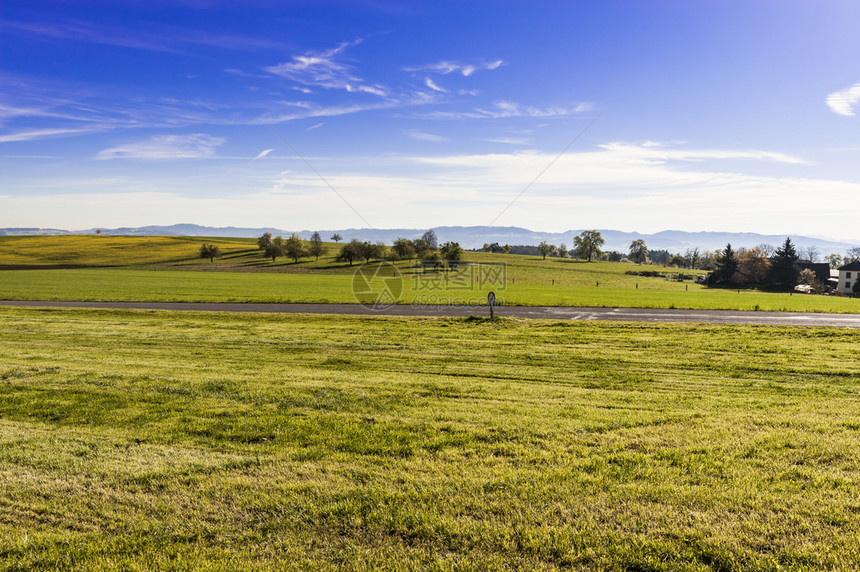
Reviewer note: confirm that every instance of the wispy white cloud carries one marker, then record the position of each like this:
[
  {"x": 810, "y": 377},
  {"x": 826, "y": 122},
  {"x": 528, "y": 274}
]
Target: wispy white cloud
[
  {"x": 159, "y": 38},
  {"x": 422, "y": 136},
  {"x": 446, "y": 67},
  {"x": 40, "y": 134},
  {"x": 429, "y": 83},
  {"x": 636, "y": 186},
  {"x": 844, "y": 101},
  {"x": 323, "y": 111},
  {"x": 510, "y": 140},
  {"x": 196, "y": 146},
  {"x": 323, "y": 69},
  {"x": 655, "y": 151},
  {"x": 317, "y": 126},
  {"x": 262, "y": 154},
  {"x": 503, "y": 109}
]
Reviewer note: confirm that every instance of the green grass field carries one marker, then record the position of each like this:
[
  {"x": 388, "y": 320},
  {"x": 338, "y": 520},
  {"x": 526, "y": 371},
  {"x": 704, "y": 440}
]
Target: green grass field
[
  {"x": 134, "y": 440},
  {"x": 194, "y": 286},
  {"x": 168, "y": 269}
]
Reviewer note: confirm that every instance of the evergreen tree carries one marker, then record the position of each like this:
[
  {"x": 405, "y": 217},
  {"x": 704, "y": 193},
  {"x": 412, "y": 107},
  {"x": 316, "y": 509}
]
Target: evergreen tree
[
  {"x": 783, "y": 267},
  {"x": 726, "y": 267}
]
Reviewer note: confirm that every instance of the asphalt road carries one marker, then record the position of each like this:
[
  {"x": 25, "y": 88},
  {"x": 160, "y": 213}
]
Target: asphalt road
[{"x": 536, "y": 312}]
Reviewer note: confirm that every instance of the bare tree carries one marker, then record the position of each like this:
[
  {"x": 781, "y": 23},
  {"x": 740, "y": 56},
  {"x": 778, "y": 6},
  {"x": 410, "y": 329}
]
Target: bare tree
[
  {"x": 852, "y": 254},
  {"x": 430, "y": 238},
  {"x": 316, "y": 248},
  {"x": 768, "y": 249},
  {"x": 692, "y": 258},
  {"x": 810, "y": 253}
]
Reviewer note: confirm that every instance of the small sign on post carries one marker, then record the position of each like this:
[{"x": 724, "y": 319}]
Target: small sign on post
[{"x": 491, "y": 301}]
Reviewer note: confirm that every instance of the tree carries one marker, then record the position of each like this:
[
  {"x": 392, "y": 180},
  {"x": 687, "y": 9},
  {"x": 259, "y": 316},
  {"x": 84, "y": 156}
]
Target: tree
[
  {"x": 562, "y": 250},
  {"x": 491, "y": 247},
  {"x": 783, "y": 269},
  {"x": 834, "y": 260},
  {"x": 692, "y": 258},
  {"x": 403, "y": 248},
  {"x": 506, "y": 249},
  {"x": 638, "y": 251},
  {"x": 544, "y": 249},
  {"x": 677, "y": 260},
  {"x": 855, "y": 290},
  {"x": 274, "y": 248},
  {"x": 808, "y": 277},
  {"x": 726, "y": 267},
  {"x": 768, "y": 249},
  {"x": 430, "y": 238},
  {"x": 811, "y": 253},
  {"x": 264, "y": 240},
  {"x": 852, "y": 254},
  {"x": 421, "y": 247},
  {"x": 210, "y": 251},
  {"x": 587, "y": 244},
  {"x": 451, "y": 251},
  {"x": 707, "y": 259},
  {"x": 368, "y": 250},
  {"x": 350, "y": 251},
  {"x": 753, "y": 266},
  {"x": 98, "y": 231},
  {"x": 294, "y": 248},
  {"x": 336, "y": 237},
  {"x": 316, "y": 248},
  {"x": 660, "y": 256}
]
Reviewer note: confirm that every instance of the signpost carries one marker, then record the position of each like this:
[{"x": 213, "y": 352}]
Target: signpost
[{"x": 491, "y": 300}]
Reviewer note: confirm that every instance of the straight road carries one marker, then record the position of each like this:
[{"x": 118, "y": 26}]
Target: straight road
[{"x": 535, "y": 312}]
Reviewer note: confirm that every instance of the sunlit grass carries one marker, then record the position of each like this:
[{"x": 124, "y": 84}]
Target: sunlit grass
[
  {"x": 155, "y": 440},
  {"x": 85, "y": 250},
  {"x": 243, "y": 274},
  {"x": 196, "y": 286}
]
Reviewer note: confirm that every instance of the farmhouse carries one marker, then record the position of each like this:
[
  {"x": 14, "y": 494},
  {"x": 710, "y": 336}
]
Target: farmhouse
[{"x": 848, "y": 275}]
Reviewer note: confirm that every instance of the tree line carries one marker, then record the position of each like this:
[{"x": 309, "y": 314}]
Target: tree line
[
  {"x": 426, "y": 248},
  {"x": 762, "y": 265}
]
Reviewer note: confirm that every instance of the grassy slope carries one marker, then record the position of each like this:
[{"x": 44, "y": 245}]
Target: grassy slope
[
  {"x": 141, "y": 440},
  {"x": 243, "y": 275},
  {"x": 85, "y": 250}
]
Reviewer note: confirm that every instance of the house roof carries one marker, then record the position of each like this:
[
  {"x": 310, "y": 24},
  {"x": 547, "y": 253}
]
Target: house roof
[{"x": 851, "y": 266}]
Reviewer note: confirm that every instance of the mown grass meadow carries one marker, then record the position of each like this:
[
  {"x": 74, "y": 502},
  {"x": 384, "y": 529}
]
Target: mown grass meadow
[
  {"x": 122, "y": 284},
  {"x": 134, "y": 440}
]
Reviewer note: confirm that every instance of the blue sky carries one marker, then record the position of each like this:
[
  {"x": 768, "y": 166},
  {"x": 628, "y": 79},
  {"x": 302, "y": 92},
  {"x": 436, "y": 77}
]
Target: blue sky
[{"x": 631, "y": 115}]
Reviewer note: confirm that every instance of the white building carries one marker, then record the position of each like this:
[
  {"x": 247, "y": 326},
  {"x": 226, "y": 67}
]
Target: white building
[{"x": 848, "y": 275}]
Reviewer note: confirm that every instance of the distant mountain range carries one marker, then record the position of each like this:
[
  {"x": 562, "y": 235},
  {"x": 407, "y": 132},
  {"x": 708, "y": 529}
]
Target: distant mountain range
[{"x": 471, "y": 237}]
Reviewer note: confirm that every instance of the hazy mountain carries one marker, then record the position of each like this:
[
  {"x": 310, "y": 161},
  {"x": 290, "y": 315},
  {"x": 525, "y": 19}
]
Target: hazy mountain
[{"x": 477, "y": 236}]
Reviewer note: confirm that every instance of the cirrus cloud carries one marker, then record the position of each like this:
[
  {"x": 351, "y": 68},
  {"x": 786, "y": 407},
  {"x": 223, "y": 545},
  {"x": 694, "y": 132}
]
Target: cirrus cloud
[{"x": 195, "y": 146}]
